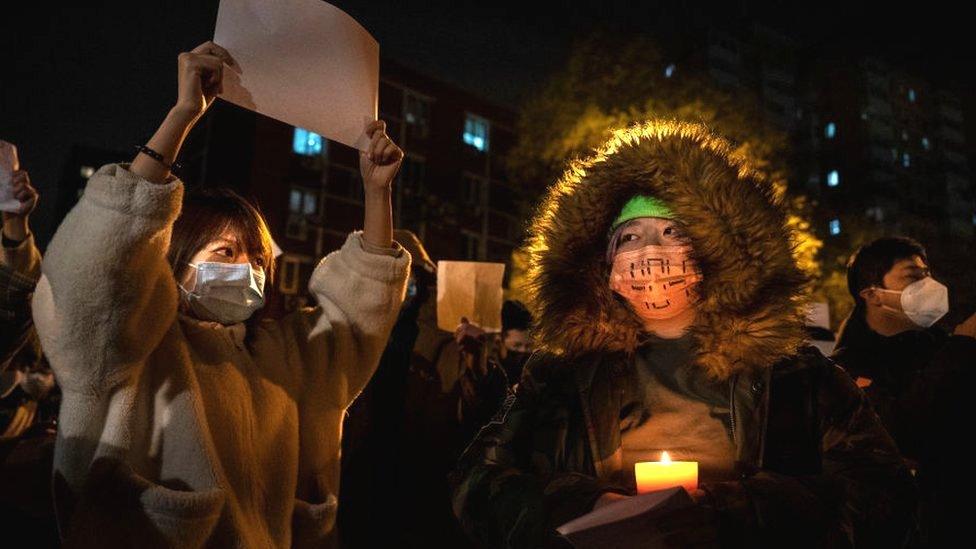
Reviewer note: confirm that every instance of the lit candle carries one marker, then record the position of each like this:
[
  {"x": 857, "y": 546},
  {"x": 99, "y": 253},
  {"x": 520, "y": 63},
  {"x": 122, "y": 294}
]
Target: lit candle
[{"x": 660, "y": 475}]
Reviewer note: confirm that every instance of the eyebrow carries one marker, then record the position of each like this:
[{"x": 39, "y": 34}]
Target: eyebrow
[{"x": 224, "y": 241}]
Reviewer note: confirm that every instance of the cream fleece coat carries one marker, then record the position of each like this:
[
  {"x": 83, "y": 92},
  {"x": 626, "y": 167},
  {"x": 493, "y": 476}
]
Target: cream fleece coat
[{"x": 175, "y": 432}]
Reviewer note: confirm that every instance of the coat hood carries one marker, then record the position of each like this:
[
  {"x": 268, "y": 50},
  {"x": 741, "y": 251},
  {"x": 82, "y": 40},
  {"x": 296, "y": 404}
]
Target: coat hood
[{"x": 751, "y": 299}]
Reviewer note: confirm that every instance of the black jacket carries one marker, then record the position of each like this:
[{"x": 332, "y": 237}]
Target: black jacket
[
  {"x": 921, "y": 385},
  {"x": 905, "y": 372},
  {"x": 816, "y": 468}
]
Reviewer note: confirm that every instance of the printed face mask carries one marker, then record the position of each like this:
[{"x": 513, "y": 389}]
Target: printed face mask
[
  {"x": 227, "y": 293},
  {"x": 924, "y": 301},
  {"x": 657, "y": 281}
]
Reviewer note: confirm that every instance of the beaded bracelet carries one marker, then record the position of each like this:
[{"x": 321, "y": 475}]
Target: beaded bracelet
[{"x": 174, "y": 167}]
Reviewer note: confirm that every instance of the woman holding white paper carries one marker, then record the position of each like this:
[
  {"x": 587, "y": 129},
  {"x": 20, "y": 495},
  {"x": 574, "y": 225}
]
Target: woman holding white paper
[{"x": 186, "y": 420}]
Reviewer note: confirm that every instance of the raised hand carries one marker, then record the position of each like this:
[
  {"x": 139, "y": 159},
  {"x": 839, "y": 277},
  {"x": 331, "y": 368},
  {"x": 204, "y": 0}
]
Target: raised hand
[
  {"x": 200, "y": 80},
  {"x": 15, "y": 224},
  {"x": 201, "y": 74},
  {"x": 380, "y": 162}
]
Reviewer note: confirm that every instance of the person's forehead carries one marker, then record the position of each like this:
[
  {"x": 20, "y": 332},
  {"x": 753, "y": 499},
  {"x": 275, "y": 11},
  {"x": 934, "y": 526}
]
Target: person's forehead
[
  {"x": 229, "y": 236},
  {"x": 646, "y": 222},
  {"x": 909, "y": 265}
]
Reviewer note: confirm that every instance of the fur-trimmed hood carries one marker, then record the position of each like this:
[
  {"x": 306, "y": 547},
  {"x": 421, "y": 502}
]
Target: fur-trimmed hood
[{"x": 751, "y": 305}]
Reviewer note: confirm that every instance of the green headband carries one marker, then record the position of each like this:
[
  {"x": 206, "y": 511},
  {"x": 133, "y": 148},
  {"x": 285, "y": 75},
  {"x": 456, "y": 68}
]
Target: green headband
[{"x": 642, "y": 205}]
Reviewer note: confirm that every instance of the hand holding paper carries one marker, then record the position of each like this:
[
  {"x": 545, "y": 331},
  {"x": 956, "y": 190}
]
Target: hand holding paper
[
  {"x": 199, "y": 80},
  {"x": 379, "y": 163},
  {"x": 18, "y": 198},
  {"x": 8, "y": 165},
  {"x": 472, "y": 290},
  {"x": 201, "y": 77}
]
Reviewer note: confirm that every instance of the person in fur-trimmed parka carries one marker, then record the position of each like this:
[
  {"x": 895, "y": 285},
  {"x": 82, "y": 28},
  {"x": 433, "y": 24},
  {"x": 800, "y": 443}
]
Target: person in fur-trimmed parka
[{"x": 669, "y": 313}]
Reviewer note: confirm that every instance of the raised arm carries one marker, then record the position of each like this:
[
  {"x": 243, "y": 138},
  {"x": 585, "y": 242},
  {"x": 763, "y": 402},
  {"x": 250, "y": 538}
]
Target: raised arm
[
  {"x": 200, "y": 81},
  {"x": 18, "y": 252},
  {"x": 20, "y": 262},
  {"x": 108, "y": 295},
  {"x": 378, "y": 166},
  {"x": 360, "y": 287}
]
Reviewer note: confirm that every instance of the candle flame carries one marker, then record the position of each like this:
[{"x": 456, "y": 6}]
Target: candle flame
[{"x": 665, "y": 458}]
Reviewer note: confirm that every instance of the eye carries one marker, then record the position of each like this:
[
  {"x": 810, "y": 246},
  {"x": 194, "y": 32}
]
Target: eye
[
  {"x": 259, "y": 262},
  {"x": 628, "y": 237},
  {"x": 225, "y": 251},
  {"x": 671, "y": 230}
]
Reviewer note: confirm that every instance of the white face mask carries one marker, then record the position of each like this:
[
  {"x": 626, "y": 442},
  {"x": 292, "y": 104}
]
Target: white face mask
[
  {"x": 924, "y": 301},
  {"x": 227, "y": 293}
]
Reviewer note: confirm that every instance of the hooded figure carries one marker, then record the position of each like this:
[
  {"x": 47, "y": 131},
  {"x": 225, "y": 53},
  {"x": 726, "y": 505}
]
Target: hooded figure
[{"x": 790, "y": 452}]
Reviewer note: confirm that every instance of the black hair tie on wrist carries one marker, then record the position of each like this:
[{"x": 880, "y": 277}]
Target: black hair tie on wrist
[{"x": 175, "y": 167}]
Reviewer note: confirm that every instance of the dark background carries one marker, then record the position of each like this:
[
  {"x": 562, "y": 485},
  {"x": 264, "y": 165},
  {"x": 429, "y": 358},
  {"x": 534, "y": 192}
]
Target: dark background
[{"x": 103, "y": 74}]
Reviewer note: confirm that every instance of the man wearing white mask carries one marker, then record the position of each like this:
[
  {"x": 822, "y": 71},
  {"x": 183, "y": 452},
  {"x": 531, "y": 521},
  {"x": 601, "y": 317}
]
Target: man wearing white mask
[{"x": 908, "y": 367}]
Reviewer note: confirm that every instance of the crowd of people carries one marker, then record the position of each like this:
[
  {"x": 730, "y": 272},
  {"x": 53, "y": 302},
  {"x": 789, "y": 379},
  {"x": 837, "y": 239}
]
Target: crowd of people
[{"x": 146, "y": 400}]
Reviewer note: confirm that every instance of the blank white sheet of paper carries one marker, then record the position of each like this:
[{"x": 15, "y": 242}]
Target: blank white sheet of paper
[{"x": 304, "y": 62}]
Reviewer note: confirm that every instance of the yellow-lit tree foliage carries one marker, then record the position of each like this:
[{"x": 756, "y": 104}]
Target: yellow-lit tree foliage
[{"x": 610, "y": 82}]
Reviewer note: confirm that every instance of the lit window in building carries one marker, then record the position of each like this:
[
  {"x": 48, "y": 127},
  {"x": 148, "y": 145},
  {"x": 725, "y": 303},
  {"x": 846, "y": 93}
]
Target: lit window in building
[
  {"x": 295, "y": 201},
  {"x": 904, "y": 135},
  {"x": 834, "y": 227},
  {"x": 894, "y": 154},
  {"x": 416, "y": 111},
  {"x": 864, "y": 115},
  {"x": 301, "y": 204},
  {"x": 833, "y": 178},
  {"x": 476, "y": 132},
  {"x": 303, "y": 201},
  {"x": 306, "y": 143},
  {"x": 830, "y": 130},
  {"x": 906, "y": 160},
  {"x": 669, "y": 70},
  {"x": 926, "y": 144},
  {"x": 911, "y": 94},
  {"x": 87, "y": 171}
]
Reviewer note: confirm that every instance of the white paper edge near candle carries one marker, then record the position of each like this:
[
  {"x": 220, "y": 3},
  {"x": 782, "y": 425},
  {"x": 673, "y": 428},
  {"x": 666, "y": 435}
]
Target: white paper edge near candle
[
  {"x": 304, "y": 62},
  {"x": 618, "y": 511}
]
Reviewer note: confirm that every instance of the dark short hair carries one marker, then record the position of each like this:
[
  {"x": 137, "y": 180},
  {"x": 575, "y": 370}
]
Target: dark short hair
[
  {"x": 209, "y": 212},
  {"x": 515, "y": 316},
  {"x": 869, "y": 264}
]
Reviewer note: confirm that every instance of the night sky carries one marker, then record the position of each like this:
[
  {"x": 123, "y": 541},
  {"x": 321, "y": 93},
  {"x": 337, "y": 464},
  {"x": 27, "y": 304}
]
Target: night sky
[{"x": 103, "y": 74}]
